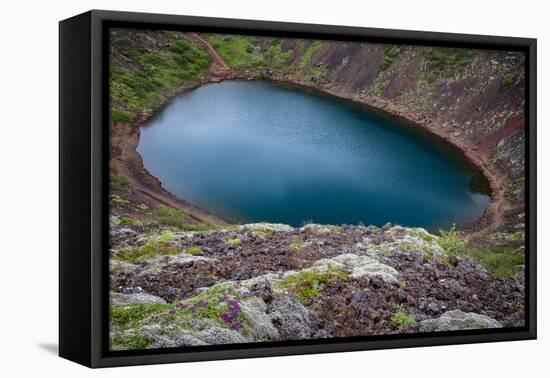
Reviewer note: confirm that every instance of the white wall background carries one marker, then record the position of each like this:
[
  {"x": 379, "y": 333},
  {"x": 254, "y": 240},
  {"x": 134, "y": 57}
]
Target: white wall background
[{"x": 29, "y": 189}]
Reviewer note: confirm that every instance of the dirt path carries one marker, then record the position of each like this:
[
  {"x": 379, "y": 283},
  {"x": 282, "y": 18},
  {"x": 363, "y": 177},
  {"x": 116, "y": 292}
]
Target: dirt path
[{"x": 218, "y": 64}]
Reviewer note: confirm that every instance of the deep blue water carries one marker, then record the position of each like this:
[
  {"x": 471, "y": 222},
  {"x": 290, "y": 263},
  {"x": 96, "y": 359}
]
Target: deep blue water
[{"x": 258, "y": 151}]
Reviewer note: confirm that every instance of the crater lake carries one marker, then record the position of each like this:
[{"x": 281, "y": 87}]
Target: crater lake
[{"x": 251, "y": 151}]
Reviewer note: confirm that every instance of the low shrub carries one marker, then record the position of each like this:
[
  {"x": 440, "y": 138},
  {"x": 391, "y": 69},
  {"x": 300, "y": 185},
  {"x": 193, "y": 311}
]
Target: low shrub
[
  {"x": 118, "y": 183},
  {"x": 450, "y": 241},
  {"x": 401, "y": 319}
]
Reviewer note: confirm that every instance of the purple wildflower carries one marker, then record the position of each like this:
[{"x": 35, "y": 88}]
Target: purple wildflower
[{"x": 236, "y": 325}]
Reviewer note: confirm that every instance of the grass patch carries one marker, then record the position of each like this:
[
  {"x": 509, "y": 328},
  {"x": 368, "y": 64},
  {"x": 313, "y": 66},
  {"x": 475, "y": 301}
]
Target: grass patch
[
  {"x": 238, "y": 51},
  {"x": 501, "y": 262},
  {"x": 138, "y": 75},
  {"x": 307, "y": 285},
  {"x": 169, "y": 216},
  {"x": 120, "y": 116},
  {"x": 441, "y": 59},
  {"x": 307, "y": 55},
  {"x": 198, "y": 227},
  {"x": 389, "y": 56},
  {"x": 118, "y": 183},
  {"x": 275, "y": 57}
]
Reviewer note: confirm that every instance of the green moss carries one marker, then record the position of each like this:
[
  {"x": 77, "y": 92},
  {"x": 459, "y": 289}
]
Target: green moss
[
  {"x": 234, "y": 241},
  {"x": 126, "y": 322},
  {"x": 120, "y": 116},
  {"x": 194, "y": 251},
  {"x": 401, "y": 318},
  {"x": 307, "y": 285},
  {"x": 133, "y": 314},
  {"x": 129, "y": 341},
  {"x": 264, "y": 234},
  {"x": 118, "y": 183},
  {"x": 423, "y": 235},
  {"x": 156, "y": 245}
]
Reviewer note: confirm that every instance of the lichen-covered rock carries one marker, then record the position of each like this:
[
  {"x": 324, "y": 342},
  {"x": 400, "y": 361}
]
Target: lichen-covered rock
[
  {"x": 218, "y": 335},
  {"x": 290, "y": 317},
  {"x": 183, "y": 339},
  {"x": 359, "y": 266},
  {"x": 399, "y": 239},
  {"x": 276, "y": 227},
  {"x": 317, "y": 228},
  {"x": 258, "y": 325},
  {"x": 457, "y": 320},
  {"x": 142, "y": 297}
]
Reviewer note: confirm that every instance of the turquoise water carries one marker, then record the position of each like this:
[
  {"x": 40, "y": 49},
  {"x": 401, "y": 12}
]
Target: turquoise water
[{"x": 258, "y": 151}]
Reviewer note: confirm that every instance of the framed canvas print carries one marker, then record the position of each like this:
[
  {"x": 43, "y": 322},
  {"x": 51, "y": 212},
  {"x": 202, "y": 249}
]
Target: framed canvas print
[{"x": 233, "y": 188}]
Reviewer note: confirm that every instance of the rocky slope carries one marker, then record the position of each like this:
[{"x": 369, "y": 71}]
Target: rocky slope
[
  {"x": 471, "y": 98},
  {"x": 268, "y": 282}
]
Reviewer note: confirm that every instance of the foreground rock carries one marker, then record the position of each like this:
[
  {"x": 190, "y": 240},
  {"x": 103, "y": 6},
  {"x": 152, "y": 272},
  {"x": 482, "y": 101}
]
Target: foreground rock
[
  {"x": 458, "y": 320},
  {"x": 265, "y": 282}
]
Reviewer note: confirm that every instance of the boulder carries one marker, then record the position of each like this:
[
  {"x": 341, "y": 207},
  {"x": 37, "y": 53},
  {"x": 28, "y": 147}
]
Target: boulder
[
  {"x": 143, "y": 297},
  {"x": 458, "y": 320},
  {"x": 359, "y": 266},
  {"x": 290, "y": 317},
  {"x": 276, "y": 227}
]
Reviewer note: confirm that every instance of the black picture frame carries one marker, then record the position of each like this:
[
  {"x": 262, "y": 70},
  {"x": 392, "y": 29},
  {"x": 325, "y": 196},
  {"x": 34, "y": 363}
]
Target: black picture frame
[{"x": 84, "y": 181}]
